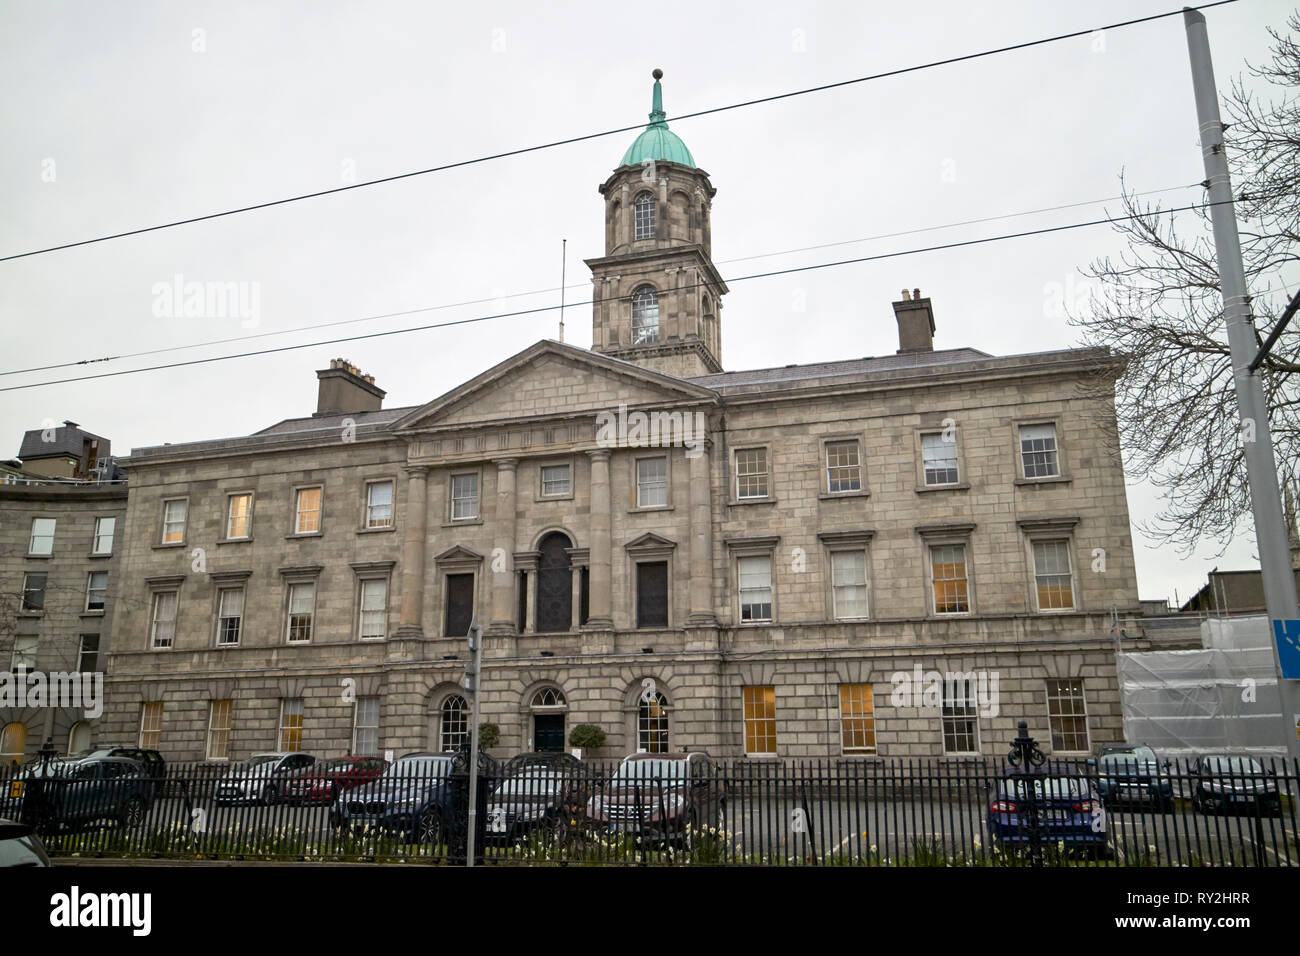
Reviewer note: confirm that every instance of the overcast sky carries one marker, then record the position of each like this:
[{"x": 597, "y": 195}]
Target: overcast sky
[{"x": 123, "y": 115}]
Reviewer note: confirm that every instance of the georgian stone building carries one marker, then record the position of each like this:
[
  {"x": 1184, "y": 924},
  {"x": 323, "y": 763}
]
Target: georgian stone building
[{"x": 835, "y": 533}]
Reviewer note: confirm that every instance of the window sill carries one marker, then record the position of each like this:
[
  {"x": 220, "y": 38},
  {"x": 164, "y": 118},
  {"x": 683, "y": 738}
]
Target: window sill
[
  {"x": 32, "y": 615},
  {"x": 304, "y": 534},
  {"x": 42, "y": 557},
  {"x": 537, "y": 499},
  {"x": 462, "y": 523},
  {"x": 221, "y": 541},
  {"x": 167, "y": 545},
  {"x": 649, "y": 508},
  {"x": 93, "y": 556},
  {"x": 769, "y": 500},
  {"x": 378, "y": 530},
  {"x": 1053, "y": 480},
  {"x": 831, "y": 495},
  {"x": 93, "y": 613},
  {"x": 958, "y": 486}
]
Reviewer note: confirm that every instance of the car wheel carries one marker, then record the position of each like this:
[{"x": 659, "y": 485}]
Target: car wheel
[
  {"x": 269, "y": 795},
  {"x": 133, "y": 813},
  {"x": 430, "y": 828}
]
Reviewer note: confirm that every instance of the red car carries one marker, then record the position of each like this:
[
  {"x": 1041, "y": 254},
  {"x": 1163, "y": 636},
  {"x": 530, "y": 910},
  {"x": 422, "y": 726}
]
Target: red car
[{"x": 326, "y": 779}]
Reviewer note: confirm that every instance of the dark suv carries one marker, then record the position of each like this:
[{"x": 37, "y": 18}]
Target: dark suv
[
  {"x": 80, "y": 792},
  {"x": 661, "y": 797},
  {"x": 155, "y": 767},
  {"x": 538, "y": 791}
]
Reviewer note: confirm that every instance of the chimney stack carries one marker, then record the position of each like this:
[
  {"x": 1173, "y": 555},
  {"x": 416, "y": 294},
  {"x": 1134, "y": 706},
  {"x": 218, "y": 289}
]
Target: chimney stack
[
  {"x": 915, "y": 323},
  {"x": 345, "y": 390}
]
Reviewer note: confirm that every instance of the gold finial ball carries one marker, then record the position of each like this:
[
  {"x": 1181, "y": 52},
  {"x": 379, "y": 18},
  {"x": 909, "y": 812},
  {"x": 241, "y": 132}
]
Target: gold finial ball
[{"x": 658, "y": 74}]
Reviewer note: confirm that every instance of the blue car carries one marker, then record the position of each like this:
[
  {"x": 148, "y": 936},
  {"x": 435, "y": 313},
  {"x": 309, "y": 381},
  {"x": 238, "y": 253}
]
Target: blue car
[{"x": 1068, "y": 813}]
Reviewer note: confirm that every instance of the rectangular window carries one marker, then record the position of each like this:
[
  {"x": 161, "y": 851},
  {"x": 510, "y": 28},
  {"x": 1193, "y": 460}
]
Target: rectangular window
[
  {"x": 857, "y": 719},
  {"x": 379, "y": 504},
  {"x": 162, "y": 621},
  {"x": 1067, "y": 715},
  {"x": 24, "y": 654},
  {"x": 42, "y": 539},
  {"x": 652, "y": 594},
  {"x": 939, "y": 457},
  {"x": 760, "y": 721},
  {"x": 88, "y": 654},
  {"x": 460, "y": 605},
  {"x": 751, "y": 473},
  {"x": 230, "y": 616},
  {"x": 651, "y": 482},
  {"x": 849, "y": 584},
  {"x": 464, "y": 497},
  {"x": 556, "y": 480},
  {"x": 96, "y": 590},
  {"x": 151, "y": 717},
  {"x": 374, "y": 609},
  {"x": 960, "y": 721},
  {"x": 307, "y": 512},
  {"x": 291, "y": 711},
  {"x": 843, "y": 466},
  {"x": 1038, "y": 451},
  {"x": 103, "y": 543},
  {"x": 1052, "y": 575},
  {"x": 948, "y": 565},
  {"x": 219, "y": 715},
  {"x": 754, "y": 576},
  {"x": 174, "y": 512},
  {"x": 365, "y": 726},
  {"x": 239, "y": 516},
  {"x": 34, "y": 591},
  {"x": 302, "y": 604}
]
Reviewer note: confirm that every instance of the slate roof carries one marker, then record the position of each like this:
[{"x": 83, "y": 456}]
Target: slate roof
[
  {"x": 67, "y": 441},
  {"x": 863, "y": 366}
]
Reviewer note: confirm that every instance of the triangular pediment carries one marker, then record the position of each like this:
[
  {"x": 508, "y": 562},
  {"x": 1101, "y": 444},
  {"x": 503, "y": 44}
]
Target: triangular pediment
[
  {"x": 552, "y": 379},
  {"x": 458, "y": 554},
  {"x": 650, "y": 542}
]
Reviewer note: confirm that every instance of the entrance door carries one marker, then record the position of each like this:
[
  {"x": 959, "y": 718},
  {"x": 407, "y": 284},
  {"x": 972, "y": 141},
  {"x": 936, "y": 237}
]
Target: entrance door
[{"x": 548, "y": 732}]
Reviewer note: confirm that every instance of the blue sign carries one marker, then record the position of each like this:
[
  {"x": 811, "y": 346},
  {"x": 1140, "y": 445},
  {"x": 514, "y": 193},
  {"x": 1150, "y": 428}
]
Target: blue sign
[{"x": 1287, "y": 635}]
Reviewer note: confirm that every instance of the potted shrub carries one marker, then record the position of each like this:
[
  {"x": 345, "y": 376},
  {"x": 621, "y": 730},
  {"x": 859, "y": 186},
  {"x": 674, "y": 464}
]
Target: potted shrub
[{"x": 586, "y": 737}]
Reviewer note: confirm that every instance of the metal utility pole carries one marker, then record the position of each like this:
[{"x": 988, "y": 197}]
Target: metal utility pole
[
  {"x": 471, "y": 685},
  {"x": 1261, "y": 467}
]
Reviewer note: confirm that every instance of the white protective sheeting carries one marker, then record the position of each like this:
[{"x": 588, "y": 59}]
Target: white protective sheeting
[{"x": 1222, "y": 698}]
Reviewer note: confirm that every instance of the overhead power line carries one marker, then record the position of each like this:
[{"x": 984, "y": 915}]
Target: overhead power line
[
  {"x": 550, "y": 308},
  {"x": 611, "y": 132},
  {"x": 520, "y": 295}
]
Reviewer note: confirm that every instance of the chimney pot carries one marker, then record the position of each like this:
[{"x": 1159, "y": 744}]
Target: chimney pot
[
  {"x": 916, "y": 293},
  {"x": 906, "y": 295},
  {"x": 344, "y": 390}
]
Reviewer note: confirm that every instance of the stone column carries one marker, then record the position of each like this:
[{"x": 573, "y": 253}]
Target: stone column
[
  {"x": 411, "y": 624},
  {"x": 600, "y": 599},
  {"x": 701, "y": 590},
  {"x": 501, "y": 566}
]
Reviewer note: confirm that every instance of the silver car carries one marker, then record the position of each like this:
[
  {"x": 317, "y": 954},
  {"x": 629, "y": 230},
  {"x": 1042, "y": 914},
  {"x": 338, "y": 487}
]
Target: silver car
[{"x": 261, "y": 778}]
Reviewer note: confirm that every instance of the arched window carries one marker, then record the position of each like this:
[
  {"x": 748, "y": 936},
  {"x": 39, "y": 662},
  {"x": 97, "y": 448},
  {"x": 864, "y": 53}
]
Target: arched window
[
  {"x": 549, "y": 698},
  {"x": 652, "y": 724},
  {"x": 645, "y": 216},
  {"x": 554, "y": 584},
  {"x": 645, "y": 316},
  {"x": 13, "y": 743},
  {"x": 454, "y": 726},
  {"x": 79, "y": 738}
]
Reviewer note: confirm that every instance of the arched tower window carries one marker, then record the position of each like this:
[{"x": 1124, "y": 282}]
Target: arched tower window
[
  {"x": 454, "y": 726},
  {"x": 645, "y": 216},
  {"x": 645, "y": 316}
]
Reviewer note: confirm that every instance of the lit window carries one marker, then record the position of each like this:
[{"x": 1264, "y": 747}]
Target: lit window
[
  {"x": 652, "y": 725},
  {"x": 453, "y": 728},
  {"x": 365, "y": 726},
  {"x": 857, "y": 719},
  {"x": 239, "y": 521},
  {"x": 162, "y": 625},
  {"x": 379, "y": 504},
  {"x": 645, "y": 216},
  {"x": 307, "y": 513},
  {"x": 843, "y": 466},
  {"x": 34, "y": 591},
  {"x": 96, "y": 589},
  {"x": 151, "y": 717},
  {"x": 13, "y": 743},
  {"x": 849, "y": 584},
  {"x": 42, "y": 539},
  {"x": 1038, "y": 451},
  {"x": 1052, "y": 575},
  {"x": 760, "y": 721},
  {"x": 754, "y": 575},
  {"x": 103, "y": 543},
  {"x": 1067, "y": 715},
  {"x": 464, "y": 497},
  {"x": 751, "y": 473},
  {"x": 645, "y": 316},
  {"x": 174, "y": 520},
  {"x": 960, "y": 724},
  {"x": 374, "y": 609},
  {"x": 230, "y": 616},
  {"x": 948, "y": 566},
  {"x": 291, "y": 714},
  {"x": 651, "y": 482},
  {"x": 302, "y": 602},
  {"x": 939, "y": 457},
  {"x": 555, "y": 480},
  {"x": 219, "y": 729},
  {"x": 24, "y": 654}
]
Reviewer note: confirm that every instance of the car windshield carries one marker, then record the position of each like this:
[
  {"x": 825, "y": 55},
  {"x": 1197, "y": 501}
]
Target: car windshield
[
  {"x": 20, "y": 851},
  {"x": 1127, "y": 762},
  {"x": 530, "y": 784},
  {"x": 1050, "y": 787},
  {"x": 1231, "y": 765},
  {"x": 416, "y": 768},
  {"x": 665, "y": 771}
]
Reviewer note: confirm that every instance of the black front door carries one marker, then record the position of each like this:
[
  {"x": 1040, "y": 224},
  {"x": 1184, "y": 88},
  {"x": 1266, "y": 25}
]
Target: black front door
[
  {"x": 548, "y": 732},
  {"x": 554, "y": 585}
]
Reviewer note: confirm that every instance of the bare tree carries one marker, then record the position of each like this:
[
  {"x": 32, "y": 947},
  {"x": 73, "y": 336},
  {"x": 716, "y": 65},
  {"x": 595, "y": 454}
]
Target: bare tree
[{"x": 1159, "y": 306}]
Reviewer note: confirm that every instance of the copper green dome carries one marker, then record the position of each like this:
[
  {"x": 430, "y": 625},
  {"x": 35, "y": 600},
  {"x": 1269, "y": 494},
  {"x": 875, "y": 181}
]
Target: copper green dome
[{"x": 657, "y": 141}]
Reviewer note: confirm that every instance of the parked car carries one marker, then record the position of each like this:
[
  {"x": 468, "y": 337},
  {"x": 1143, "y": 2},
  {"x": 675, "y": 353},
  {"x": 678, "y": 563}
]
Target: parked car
[
  {"x": 73, "y": 793},
  {"x": 326, "y": 779},
  {"x": 20, "y": 845},
  {"x": 1132, "y": 777},
  {"x": 1069, "y": 812},
  {"x": 660, "y": 797},
  {"x": 1223, "y": 783},
  {"x": 155, "y": 766},
  {"x": 414, "y": 797},
  {"x": 260, "y": 778},
  {"x": 538, "y": 791}
]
